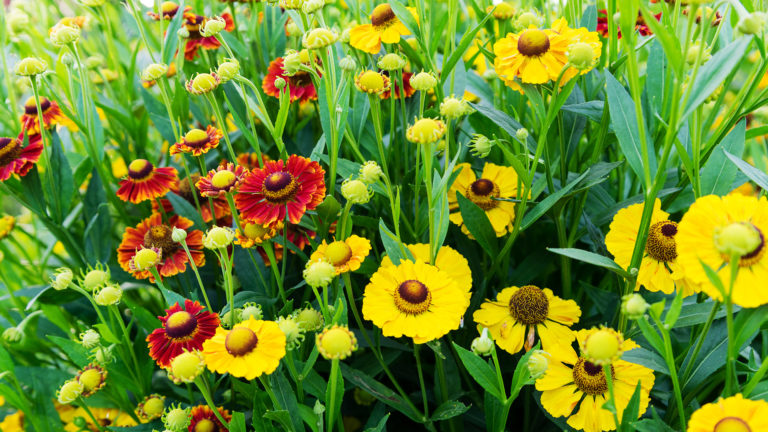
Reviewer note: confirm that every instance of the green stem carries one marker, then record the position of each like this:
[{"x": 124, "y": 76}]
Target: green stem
[
  {"x": 421, "y": 379},
  {"x": 332, "y": 397}
]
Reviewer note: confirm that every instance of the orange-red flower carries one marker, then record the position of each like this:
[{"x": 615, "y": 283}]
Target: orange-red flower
[
  {"x": 198, "y": 142},
  {"x": 281, "y": 188},
  {"x": 182, "y": 329},
  {"x": 194, "y": 23},
  {"x": 168, "y": 10},
  {"x": 640, "y": 25},
  {"x": 52, "y": 116},
  {"x": 15, "y": 158},
  {"x": 204, "y": 419},
  {"x": 152, "y": 232},
  {"x": 146, "y": 182},
  {"x": 407, "y": 89},
  {"x": 225, "y": 178},
  {"x": 250, "y": 161},
  {"x": 300, "y": 84}
]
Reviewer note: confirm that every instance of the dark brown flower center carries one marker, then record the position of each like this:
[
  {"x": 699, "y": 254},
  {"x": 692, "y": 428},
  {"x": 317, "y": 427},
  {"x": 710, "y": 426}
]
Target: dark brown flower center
[
  {"x": 299, "y": 79},
  {"x": 240, "y": 341},
  {"x": 483, "y": 193},
  {"x": 185, "y": 188},
  {"x": 383, "y": 16},
  {"x": 140, "y": 169},
  {"x": 533, "y": 42},
  {"x": 159, "y": 236},
  {"x": 30, "y": 108},
  {"x": 180, "y": 325},
  {"x": 590, "y": 377},
  {"x": 10, "y": 150},
  {"x": 529, "y": 305},
  {"x": 732, "y": 424},
  {"x": 661, "y": 241},
  {"x": 279, "y": 187},
  {"x": 412, "y": 297}
]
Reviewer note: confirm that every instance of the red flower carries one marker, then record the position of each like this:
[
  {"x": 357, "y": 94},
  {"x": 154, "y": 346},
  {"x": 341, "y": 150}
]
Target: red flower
[
  {"x": 17, "y": 159},
  {"x": 198, "y": 142},
  {"x": 409, "y": 91},
  {"x": 204, "y": 419},
  {"x": 145, "y": 182},
  {"x": 220, "y": 205},
  {"x": 183, "y": 329},
  {"x": 640, "y": 25},
  {"x": 152, "y": 232},
  {"x": 292, "y": 187},
  {"x": 300, "y": 84},
  {"x": 52, "y": 116},
  {"x": 194, "y": 23},
  {"x": 250, "y": 160}
]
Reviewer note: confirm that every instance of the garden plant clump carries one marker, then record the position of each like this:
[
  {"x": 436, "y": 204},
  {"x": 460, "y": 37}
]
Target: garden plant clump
[{"x": 319, "y": 215}]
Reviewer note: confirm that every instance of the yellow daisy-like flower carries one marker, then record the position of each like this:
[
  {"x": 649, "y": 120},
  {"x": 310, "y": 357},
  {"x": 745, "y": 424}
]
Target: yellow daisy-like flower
[
  {"x": 519, "y": 314},
  {"x": 711, "y": 230},
  {"x": 448, "y": 260},
  {"x": 384, "y": 27},
  {"x": 345, "y": 255},
  {"x": 415, "y": 300},
  {"x": 104, "y": 416},
  {"x": 733, "y": 414},
  {"x": 536, "y": 56},
  {"x": 7, "y": 223},
  {"x": 251, "y": 348},
  {"x": 495, "y": 182},
  {"x": 572, "y": 383},
  {"x": 13, "y": 422},
  {"x": 659, "y": 269}
]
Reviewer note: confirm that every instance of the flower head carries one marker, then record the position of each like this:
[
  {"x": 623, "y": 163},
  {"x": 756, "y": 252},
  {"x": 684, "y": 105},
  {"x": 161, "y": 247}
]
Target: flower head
[
  {"x": 204, "y": 419},
  {"x": 218, "y": 237},
  {"x": 203, "y": 83},
  {"x": 384, "y": 27},
  {"x": 146, "y": 182},
  {"x": 64, "y": 34},
  {"x": 198, "y": 142},
  {"x": 90, "y": 338},
  {"x": 69, "y": 391},
  {"x": 372, "y": 82},
  {"x": 108, "y": 295},
  {"x": 602, "y": 346},
  {"x": 186, "y": 367},
  {"x": 319, "y": 273},
  {"x": 51, "y": 113},
  {"x": 254, "y": 233},
  {"x": 151, "y": 407},
  {"x": 356, "y": 191},
  {"x": 62, "y": 278},
  {"x": 154, "y": 72},
  {"x": 221, "y": 181},
  {"x": 733, "y": 414},
  {"x": 16, "y": 158},
  {"x": 30, "y": 66},
  {"x": 145, "y": 259},
  {"x": 250, "y": 349},
  {"x": 182, "y": 330},
  {"x": 336, "y": 342},
  {"x": 299, "y": 81},
  {"x": 426, "y": 131},
  {"x": 93, "y": 377}
]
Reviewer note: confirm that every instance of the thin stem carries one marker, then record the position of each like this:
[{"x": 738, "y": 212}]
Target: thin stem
[{"x": 421, "y": 379}]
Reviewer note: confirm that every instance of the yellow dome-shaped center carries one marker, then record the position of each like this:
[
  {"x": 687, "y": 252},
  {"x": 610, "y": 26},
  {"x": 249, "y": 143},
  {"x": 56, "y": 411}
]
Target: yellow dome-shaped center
[
  {"x": 240, "y": 341},
  {"x": 732, "y": 424},
  {"x": 223, "y": 179},
  {"x": 338, "y": 253}
]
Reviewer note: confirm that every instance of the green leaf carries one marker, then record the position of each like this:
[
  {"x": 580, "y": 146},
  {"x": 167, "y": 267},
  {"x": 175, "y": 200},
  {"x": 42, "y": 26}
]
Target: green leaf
[
  {"x": 467, "y": 39},
  {"x": 336, "y": 392},
  {"x": 448, "y": 410},
  {"x": 282, "y": 417},
  {"x": 625, "y": 126},
  {"x": 522, "y": 375},
  {"x": 481, "y": 371},
  {"x": 158, "y": 114},
  {"x": 591, "y": 258},
  {"x": 6, "y": 362},
  {"x": 237, "y": 424},
  {"x": 718, "y": 175},
  {"x": 754, "y": 174},
  {"x": 666, "y": 37},
  {"x": 714, "y": 72},
  {"x": 674, "y": 310},
  {"x": 547, "y": 203},
  {"x": 748, "y": 323},
  {"x": 501, "y": 119},
  {"x": 651, "y": 334},
  {"x": 478, "y": 224},
  {"x": 396, "y": 251},
  {"x": 62, "y": 175},
  {"x": 184, "y": 208},
  {"x": 171, "y": 297},
  {"x": 593, "y": 110},
  {"x": 632, "y": 410},
  {"x": 711, "y": 357},
  {"x": 381, "y": 426},
  {"x": 171, "y": 37},
  {"x": 76, "y": 352},
  {"x": 97, "y": 235},
  {"x": 286, "y": 397},
  {"x": 646, "y": 358},
  {"x": 379, "y": 391}
]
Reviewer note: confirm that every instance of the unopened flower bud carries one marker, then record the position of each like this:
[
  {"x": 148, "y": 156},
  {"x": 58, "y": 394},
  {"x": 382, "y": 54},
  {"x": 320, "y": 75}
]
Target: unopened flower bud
[
  {"x": 318, "y": 274},
  {"x": 483, "y": 345},
  {"x": 12, "y": 335},
  {"x": 309, "y": 319},
  {"x": 18, "y": 21},
  {"x": 154, "y": 72},
  {"x": 521, "y": 134},
  {"x": 64, "y": 34},
  {"x": 480, "y": 145},
  {"x": 355, "y": 191},
  {"x": 62, "y": 278},
  {"x": 218, "y": 237},
  {"x": 69, "y": 391},
  {"x": 182, "y": 33},
  {"x": 423, "y": 81},
  {"x": 178, "y": 235},
  {"x": 291, "y": 63},
  {"x": 452, "y": 107},
  {"x": 312, "y": 6},
  {"x": 319, "y": 38},
  {"x": 291, "y": 29},
  {"x": 203, "y": 83},
  {"x": 67, "y": 59},
  {"x": 294, "y": 334},
  {"x": 527, "y": 19},
  {"x": 145, "y": 259},
  {"x": 186, "y": 366},
  {"x": 90, "y": 338},
  {"x": 251, "y": 310},
  {"x": 177, "y": 418},
  {"x": 348, "y": 64},
  {"x": 753, "y": 23},
  {"x": 108, "y": 295},
  {"x": 95, "y": 278},
  {"x": 213, "y": 26},
  {"x": 345, "y": 36},
  {"x": 94, "y": 61},
  {"x": 693, "y": 53},
  {"x": 391, "y": 62},
  {"x": 538, "y": 363},
  {"x": 336, "y": 342},
  {"x": 581, "y": 56},
  {"x": 370, "y": 172},
  {"x": 280, "y": 83},
  {"x": 634, "y": 306},
  {"x": 228, "y": 70},
  {"x": 30, "y": 66}
]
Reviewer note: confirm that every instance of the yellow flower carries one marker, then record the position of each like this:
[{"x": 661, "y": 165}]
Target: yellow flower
[
  {"x": 93, "y": 377},
  {"x": 659, "y": 269},
  {"x": 372, "y": 82},
  {"x": 733, "y": 414},
  {"x": 255, "y": 234},
  {"x": 384, "y": 27},
  {"x": 104, "y": 416},
  {"x": 250, "y": 349},
  {"x": 710, "y": 227},
  {"x": 576, "y": 388},
  {"x": 536, "y": 56},
  {"x": 415, "y": 300},
  {"x": 495, "y": 182},
  {"x": 448, "y": 260},
  {"x": 425, "y": 131},
  {"x": 7, "y": 223},
  {"x": 518, "y": 314},
  {"x": 345, "y": 255},
  {"x": 13, "y": 422}
]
